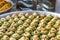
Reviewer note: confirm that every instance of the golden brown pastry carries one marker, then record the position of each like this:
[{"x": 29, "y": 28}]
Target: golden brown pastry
[
  {"x": 2, "y": 3},
  {"x": 6, "y": 6}
]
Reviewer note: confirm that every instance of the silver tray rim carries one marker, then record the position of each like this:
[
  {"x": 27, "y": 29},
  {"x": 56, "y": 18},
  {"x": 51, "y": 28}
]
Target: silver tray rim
[{"x": 23, "y": 12}]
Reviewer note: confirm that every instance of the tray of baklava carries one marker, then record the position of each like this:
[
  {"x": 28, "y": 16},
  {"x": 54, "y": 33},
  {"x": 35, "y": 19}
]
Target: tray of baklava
[{"x": 30, "y": 25}]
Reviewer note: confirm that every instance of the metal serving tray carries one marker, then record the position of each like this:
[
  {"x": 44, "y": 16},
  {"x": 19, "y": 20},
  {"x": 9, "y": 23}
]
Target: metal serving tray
[{"x": 23, "y": 12}]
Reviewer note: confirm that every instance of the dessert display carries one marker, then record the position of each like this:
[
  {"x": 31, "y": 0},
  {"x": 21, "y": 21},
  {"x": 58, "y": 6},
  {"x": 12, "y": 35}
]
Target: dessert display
[{"x": 30, "y": 27}]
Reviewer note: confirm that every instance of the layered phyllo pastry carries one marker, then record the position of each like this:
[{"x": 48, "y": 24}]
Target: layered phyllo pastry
[{"x": 4, "y": 5}]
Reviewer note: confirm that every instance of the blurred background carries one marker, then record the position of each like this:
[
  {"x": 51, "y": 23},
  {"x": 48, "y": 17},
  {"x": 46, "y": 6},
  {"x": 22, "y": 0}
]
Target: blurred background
[{"x": 42, "y": 5}]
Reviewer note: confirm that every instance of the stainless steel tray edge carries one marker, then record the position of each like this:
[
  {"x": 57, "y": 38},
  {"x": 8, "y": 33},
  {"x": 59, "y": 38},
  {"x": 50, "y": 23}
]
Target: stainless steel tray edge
[{"x": 23, "y": 12}]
